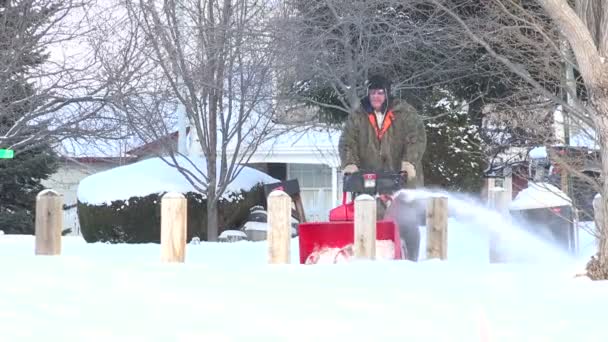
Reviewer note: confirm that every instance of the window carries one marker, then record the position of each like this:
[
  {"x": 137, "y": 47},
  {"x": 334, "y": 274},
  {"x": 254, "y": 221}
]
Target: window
[{"x": 311, "y": 175}]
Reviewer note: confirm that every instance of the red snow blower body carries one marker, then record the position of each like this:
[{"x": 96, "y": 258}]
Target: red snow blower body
[{"x": 338, "y": 233}]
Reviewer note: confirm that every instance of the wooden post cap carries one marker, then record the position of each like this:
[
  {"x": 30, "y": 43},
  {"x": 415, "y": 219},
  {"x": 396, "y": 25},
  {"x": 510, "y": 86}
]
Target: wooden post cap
[
  {"x": 48, "y": 193},
  {"x": 173, "y": 195}
]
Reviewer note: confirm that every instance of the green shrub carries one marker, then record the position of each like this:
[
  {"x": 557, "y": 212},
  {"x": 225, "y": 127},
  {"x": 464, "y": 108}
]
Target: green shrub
[
  {"x": 137, "y": 220},
  {"x": 18, "y": 221}
]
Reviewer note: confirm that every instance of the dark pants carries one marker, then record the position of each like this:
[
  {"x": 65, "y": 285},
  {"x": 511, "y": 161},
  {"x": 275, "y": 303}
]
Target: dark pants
[{"x": 407, "y": 216}]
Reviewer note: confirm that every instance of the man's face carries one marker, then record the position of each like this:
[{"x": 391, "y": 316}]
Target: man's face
[{"x": 376, "y": 98}]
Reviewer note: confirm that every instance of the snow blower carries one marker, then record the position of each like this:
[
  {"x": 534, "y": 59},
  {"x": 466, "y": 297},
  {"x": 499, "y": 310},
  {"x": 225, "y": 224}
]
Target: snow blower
[{"x": 332, "y": 241}]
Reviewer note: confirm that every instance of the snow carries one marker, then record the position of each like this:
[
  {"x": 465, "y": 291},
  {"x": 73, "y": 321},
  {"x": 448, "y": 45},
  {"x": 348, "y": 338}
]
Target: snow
[
  {"x": 385, "y": 250},
  {"x": 539, "y": 195},
  {"x": 104, "y": 292},
  {"x": 585, "y": 139},
  {"x": 538, "y": 152},
  {"x": 228, "y": 291},
  {"x": 257, "y": 226},
  {"x": 587, "y": 241},
  {"x": 232, "y": 233},
  {"x": 152, "y": 176},
  {"x": 262, "y": 226}
]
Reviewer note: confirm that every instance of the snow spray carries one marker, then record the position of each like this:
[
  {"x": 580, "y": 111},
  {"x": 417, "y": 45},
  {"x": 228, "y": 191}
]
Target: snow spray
[{"x": 470, "y": 224}]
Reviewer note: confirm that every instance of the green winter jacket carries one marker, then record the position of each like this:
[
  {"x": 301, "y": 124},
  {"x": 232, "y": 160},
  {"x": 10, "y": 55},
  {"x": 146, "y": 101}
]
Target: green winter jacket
[{"x": 403, "y": 140}]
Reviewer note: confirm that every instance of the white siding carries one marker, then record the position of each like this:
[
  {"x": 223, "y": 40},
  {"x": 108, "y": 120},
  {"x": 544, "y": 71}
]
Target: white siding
[{"x": 65, "y": 181}]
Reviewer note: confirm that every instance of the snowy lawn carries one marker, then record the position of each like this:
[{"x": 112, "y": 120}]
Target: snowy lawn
[{"x": 227, "y": 292}]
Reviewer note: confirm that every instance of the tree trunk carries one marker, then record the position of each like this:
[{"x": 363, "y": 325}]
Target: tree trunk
[
  {"x": 588, "y": 41},
  {"x": 578, "y": 35},
  {"x": 475, "y": 110},
  {"x": 602, "y": 129},
  {"x": 594, "y": 13},
  {"x": 212, "y": 198},
  {"x": 212, "y": 218}
]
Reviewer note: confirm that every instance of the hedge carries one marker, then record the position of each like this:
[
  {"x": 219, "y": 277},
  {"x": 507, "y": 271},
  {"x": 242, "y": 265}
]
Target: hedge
[{"x": 137, "y": 220}]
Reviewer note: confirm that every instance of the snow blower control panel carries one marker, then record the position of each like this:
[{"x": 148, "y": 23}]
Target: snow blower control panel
[{"x": 371, "y": 183}]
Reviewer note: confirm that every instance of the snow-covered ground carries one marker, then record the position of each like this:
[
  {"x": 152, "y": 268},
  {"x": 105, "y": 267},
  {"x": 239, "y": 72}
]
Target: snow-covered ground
[{"x": 227, "y": 292}]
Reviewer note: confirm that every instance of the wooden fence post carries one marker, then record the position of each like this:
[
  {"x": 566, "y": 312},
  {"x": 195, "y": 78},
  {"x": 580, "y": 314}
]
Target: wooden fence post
[
  {"x": 488, "y": 184},
  {"x": 365, "y": 227},
  {"x": 437, "y": 228},
  {"x": 508, "y": 186},
  {"x": 499, "y": 201},
  {"x": 173, "y": 227},
  {"x": 279, "y": 227},
  {"x": 49, "y": 222}
]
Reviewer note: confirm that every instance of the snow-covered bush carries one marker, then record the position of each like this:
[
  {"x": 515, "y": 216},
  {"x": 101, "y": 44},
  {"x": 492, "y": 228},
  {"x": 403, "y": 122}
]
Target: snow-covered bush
[{"x": 123, "y": 204}]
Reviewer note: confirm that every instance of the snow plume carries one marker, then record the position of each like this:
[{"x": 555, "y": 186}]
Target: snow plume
[{"x": 470, "y": 224}]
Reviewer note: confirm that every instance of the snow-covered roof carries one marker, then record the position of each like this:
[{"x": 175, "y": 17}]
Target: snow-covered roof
[
  {"x": 540, "y": 195},
  {"x": 539, "y": 152},
  {"x": 152, "y": 176}
]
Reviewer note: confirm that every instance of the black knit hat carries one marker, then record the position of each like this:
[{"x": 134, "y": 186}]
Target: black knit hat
[{"x": 379, "y": 82}]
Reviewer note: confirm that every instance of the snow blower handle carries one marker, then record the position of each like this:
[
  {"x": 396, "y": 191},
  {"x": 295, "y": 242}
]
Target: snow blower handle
[{"x": 373, "y": 182}]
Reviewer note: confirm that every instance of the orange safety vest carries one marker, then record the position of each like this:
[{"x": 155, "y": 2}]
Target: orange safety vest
[{"x": 388, "y": 120}]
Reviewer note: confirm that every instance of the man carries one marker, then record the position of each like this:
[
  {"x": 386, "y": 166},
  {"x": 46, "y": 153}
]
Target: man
[{"x": 385, "y": 134}]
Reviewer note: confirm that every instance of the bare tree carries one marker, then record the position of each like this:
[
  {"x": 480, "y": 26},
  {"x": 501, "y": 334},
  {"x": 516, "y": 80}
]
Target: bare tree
[
  {"x": 212, "y": 60},
  {"x": 588, "y": 36},
  {"x": 50, "y": 85},
  {"x": 336, "y": 44},
  {"x": 558, "y": 27}
]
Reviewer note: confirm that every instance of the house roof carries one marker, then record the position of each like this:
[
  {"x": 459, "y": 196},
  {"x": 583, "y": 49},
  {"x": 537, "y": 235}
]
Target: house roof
[
  {"x": 94, "y": 150},
  {"x": 302, "y": 145},
  {"x": 305, "y": 145},
  {"x": 152, "y": 145}
]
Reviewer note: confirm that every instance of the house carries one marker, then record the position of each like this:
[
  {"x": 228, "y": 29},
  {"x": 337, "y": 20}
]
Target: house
[
  {"x": 294, "y": 149},
  {"x": 311, "y": 156},
  {"x": 306, "y": 153},
  {"x": 574, "y": 142},
  {"x": 80, "y": 159}
]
